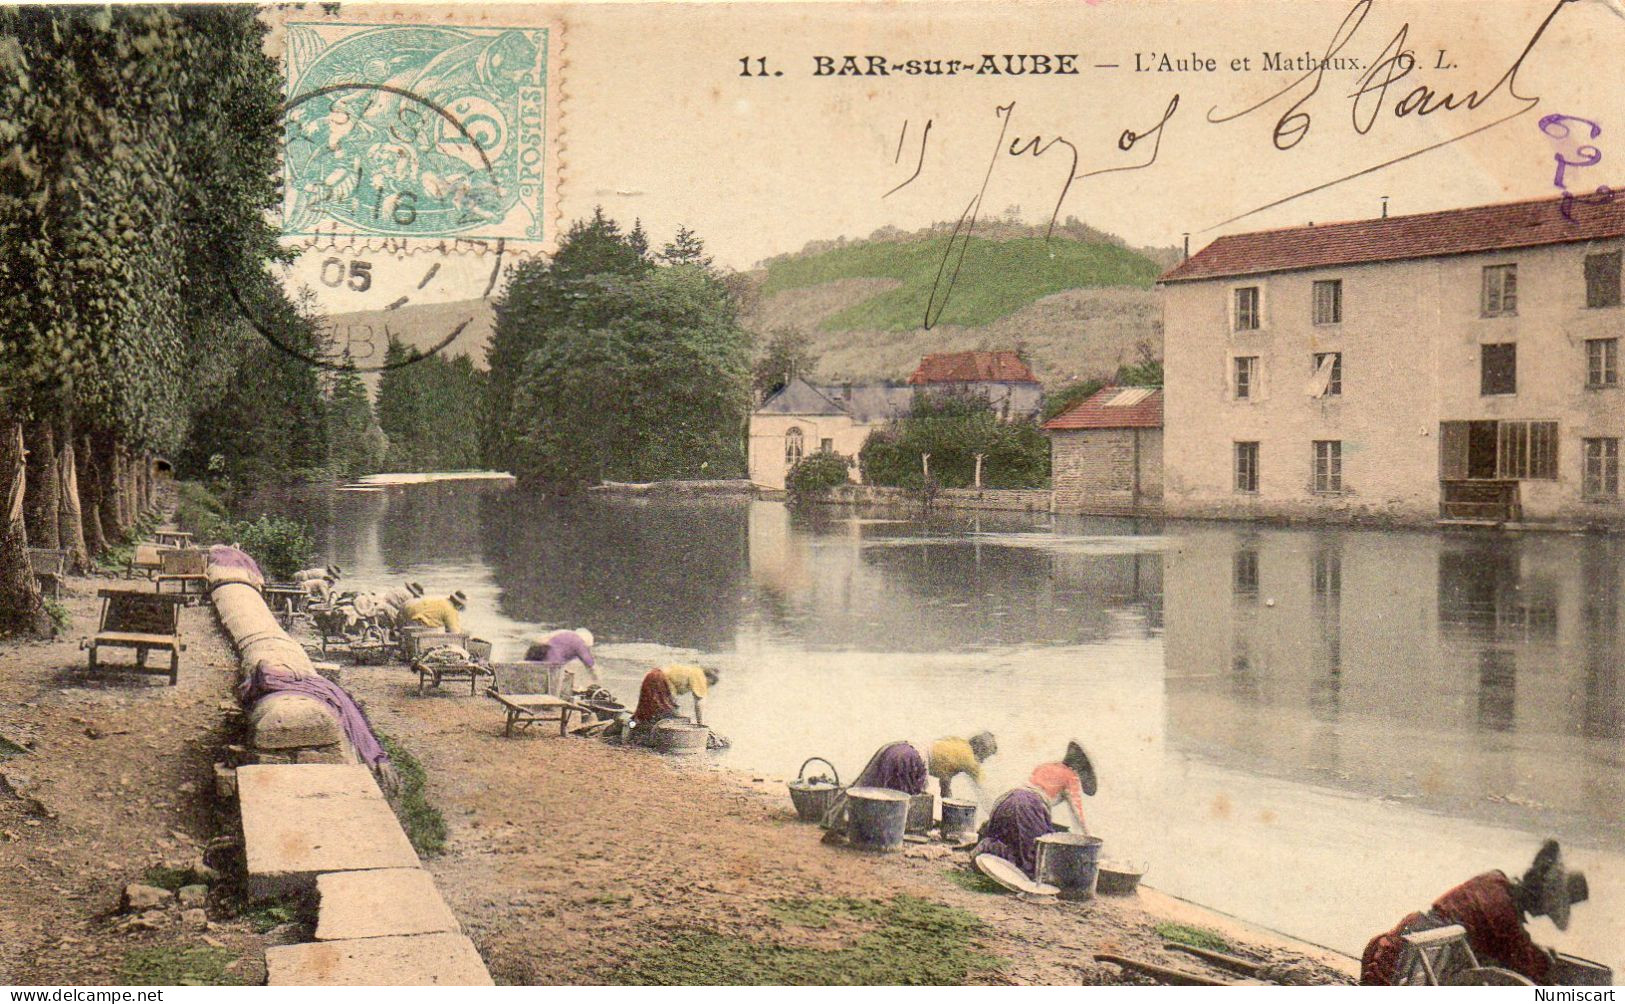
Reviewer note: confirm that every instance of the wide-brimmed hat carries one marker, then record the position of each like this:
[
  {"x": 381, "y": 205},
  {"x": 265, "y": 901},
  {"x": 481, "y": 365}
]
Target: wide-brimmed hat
[
  {"x": 1078, "y": 762},
  {"x": 983, "y": 745},
  {"x": 711, "y": 675},
  {"x": 1553, "y": 888},
  {"x": 335, "y": 571},
  {"x": 585, "y": 636},
  {"x": 458, "y": 599},
  {"x": 415, "y": 588}
]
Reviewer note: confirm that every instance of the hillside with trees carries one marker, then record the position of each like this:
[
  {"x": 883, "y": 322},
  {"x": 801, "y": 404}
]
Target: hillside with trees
[{"x": 1079, "y": 303}]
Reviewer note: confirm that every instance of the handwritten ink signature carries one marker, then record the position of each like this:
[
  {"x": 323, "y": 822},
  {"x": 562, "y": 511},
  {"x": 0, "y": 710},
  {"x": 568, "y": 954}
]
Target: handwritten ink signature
[{"x": 1377, "y": 89}]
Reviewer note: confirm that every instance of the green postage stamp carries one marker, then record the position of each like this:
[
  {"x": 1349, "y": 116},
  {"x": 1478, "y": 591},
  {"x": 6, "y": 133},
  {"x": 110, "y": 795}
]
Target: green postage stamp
[{"x": 405, "y": 133}]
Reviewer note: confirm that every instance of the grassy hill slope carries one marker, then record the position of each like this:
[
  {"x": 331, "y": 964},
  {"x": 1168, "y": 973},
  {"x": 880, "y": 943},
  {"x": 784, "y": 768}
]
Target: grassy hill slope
[
  {"x": 1079, "y": 303},
  {"x": 995, "y": 279}
]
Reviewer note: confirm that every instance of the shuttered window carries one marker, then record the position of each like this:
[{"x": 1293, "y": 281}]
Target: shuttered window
[
  {"x": 1602, "y": 279},
  {"x": 1247, "y": 308},
  {"x": 1500, "y": 290},
  {"x": 1329, "y": 301},
  {"x": 1328, "y": 465},
  {"x": 1246, "y": 467},
  {"x": 1527, "y": 451}
]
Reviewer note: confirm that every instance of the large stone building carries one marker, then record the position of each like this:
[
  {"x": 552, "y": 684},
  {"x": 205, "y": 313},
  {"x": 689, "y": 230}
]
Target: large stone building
[
  {"x": 1460, "y": 364},
  {"x": 1106, "y": 453}
]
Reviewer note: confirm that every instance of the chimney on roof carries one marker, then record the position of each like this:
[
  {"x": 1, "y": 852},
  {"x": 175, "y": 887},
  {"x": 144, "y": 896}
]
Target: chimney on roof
[
  {"x": 1187, "y": 247},
  {"x": 1385, "y": 207}
]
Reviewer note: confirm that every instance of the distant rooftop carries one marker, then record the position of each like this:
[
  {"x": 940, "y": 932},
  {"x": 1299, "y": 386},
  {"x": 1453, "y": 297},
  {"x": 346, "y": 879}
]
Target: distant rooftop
[
  {"x": 1499, "y": 227},
  {"x": 865, "y": 402},
  {"x": 1113, "y": 408},
  {"x": 972, "y": 367}
]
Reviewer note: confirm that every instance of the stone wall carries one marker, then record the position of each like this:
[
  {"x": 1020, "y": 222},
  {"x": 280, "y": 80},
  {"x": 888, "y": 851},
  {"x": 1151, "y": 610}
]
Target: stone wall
[
  {"x": 1112, "y": 472},
  {"x": 1002, "y": 499}
]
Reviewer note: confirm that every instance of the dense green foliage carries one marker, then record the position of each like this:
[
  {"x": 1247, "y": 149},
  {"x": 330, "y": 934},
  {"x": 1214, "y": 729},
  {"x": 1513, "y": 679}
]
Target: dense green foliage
[
  {"x": 953, "y": 428},
  {"x": 138, "y": 158},
  {"x": 785, "y": 354},
  {"x": 996, "y": 279},
  {"x": 430, "y": 411},
  {"x": 817, "y": 472},
  {"x": 629, "y": 370},
  {"x": 280, "y": 545},
  {"x": 541, "y": 297},
  {"x": 355, "y": 444}
]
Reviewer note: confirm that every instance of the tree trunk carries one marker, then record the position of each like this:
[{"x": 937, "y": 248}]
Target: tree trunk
[
  {"x": 40, "y": 500},
  {"x": 105, "y": 451},
  {"x": 90, "y": 499},
  {"x": 21, "y": 608},
  {"x": 69, "y": 521}
]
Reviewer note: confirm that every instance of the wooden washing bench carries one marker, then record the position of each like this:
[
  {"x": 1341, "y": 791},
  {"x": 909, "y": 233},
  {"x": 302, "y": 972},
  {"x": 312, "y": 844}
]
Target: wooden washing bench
[
  {"x": 146, "y": 561},
  {"x": 146, "y": 622},
  {"x": 472, "y": 669},
  {"x": 189, "y": 568},
  {"x": 527, "y": 709},
  {"x": 50, "y": 568}
]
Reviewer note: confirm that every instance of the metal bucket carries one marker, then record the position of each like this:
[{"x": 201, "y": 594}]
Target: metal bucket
[
  {"x": 680, "y": 738},
  {"x": 922, "y": 813},
  {"x": 958, "y": 816},
  {"x": 876, "y": 818},
  {"x": 813, "y": 801},
  {"x": 1070, "y": 862}
]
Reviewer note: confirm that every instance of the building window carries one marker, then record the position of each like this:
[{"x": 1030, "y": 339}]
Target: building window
[
  {"x": 1602, "y": 362},
  {"x": 1246, "y": 572},
  {"x": 1602, "y": 279},
  {"x": 1327, "y": 572},
  {"x": 1500, "y": 290},
  {"x": 1602, "y": 468},
  {"x": 1246, "y": 467},
  {"x": 1246, "y": 377},
  {"x": 1328, "y": 380},
  {"x": 1498, "y": 368},
  {"x": 792, "y": 446},
  {"x": 1328, "y": 465},
  {"x": 1329, "y": 301},
  {"x": 826, "y": 446},
  {"x": 1527, "y": 451},
  {"x": 1247, "y": 308}
]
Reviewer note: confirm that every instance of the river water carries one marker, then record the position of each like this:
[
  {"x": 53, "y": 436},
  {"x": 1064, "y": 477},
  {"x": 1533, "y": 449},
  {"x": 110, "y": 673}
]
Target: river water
[{"x": 1314, "y": 730}]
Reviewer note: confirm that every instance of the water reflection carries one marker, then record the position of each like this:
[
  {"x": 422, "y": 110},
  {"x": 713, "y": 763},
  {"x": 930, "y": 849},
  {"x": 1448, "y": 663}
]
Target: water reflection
[{"x": 1475, "y": 669}]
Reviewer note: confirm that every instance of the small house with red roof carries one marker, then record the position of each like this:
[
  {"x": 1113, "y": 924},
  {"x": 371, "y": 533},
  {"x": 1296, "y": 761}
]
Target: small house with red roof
[
  {"x": 1002, "y": 376},
  {"x": 1456, "y": 366},
  {"x": 1106, "y": 453}
]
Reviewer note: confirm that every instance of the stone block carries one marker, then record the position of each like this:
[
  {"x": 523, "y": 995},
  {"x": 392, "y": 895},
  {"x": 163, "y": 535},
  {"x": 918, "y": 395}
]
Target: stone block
[
  {"x": 301, "y": 820},
  {"x": 418, "y": 960},
  {"x": 225, "y": 781},
  {"x": 138, "y": 897},
  {"x": 380, "y": 903},
  {"x": 292, "y": 721},
  {"x": 324, "y": 754}
]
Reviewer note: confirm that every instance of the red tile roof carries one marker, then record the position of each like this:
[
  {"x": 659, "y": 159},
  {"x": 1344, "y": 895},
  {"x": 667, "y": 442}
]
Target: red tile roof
[
  {"x": 1498, "y": 227},
  {"x": 1134, "y": 410},
  {"x": 972, "y": 367}
]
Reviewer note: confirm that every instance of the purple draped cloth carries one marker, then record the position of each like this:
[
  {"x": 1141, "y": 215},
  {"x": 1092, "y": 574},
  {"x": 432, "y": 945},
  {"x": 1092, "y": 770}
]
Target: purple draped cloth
[
  {"x": 897, "y": 766},
  {"x": 227, "y": 556},
  {"x": 1018, "y": 819},
  {"x": 270, "y": 678}
]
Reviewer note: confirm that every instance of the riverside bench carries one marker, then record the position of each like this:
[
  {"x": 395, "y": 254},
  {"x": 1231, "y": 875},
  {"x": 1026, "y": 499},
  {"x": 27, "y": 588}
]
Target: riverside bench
[
  {"x": 146, "y": 561},
  {"x": 186, "y": 567},
  {"x": 50, "y": 567},
  {"x": 146, "y": 622},
  {"x": 471, "y": 669},
  {"x": 526, "y": 709}
]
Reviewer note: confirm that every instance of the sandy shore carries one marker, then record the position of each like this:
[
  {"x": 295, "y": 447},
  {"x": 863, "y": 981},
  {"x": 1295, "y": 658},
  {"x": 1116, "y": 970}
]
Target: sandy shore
[{"x": 570, "y": 860}]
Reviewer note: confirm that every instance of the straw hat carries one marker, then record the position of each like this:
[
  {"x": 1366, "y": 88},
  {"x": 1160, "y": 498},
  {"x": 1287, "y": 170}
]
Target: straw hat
[
  {"x": 335, "y": 571},
  {"x": 1078, "y": 761},
  {"x": 1552, "y": 888},
  {"x": 415, "y": 588},
  {"x": 983, "y": 745},
  {"x": 711, "y": 675},
  {"x": 585, "y": 636},
  {"x": 458, "y": 600}
]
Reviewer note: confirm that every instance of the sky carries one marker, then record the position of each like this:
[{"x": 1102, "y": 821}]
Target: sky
[{"x": 656, "y": 120}]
